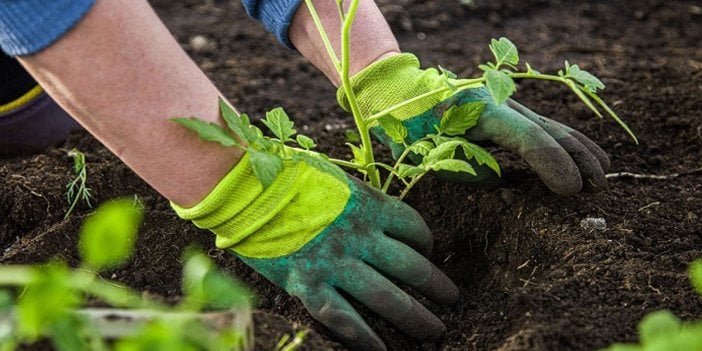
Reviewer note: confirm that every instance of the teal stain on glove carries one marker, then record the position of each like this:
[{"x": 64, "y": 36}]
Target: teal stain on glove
[
  {"x": 564, "y": 159},
  {"x": 322, "y": 235}
]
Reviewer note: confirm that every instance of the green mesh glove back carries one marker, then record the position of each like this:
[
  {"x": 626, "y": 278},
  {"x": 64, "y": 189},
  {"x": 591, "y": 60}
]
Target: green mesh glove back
[
  {"x": 313, "y": 234},
  {"x": 565, "y": 160}
]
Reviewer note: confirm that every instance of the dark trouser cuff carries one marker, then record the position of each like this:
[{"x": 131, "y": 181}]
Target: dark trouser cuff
[{"x": 33, "y": 127}]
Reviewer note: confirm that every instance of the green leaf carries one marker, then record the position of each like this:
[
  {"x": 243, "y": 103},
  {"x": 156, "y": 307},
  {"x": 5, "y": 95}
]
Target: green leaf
[
  {"x": 658, "y": 324},
  {"x": 453, "y": 166},
  {"x": 279, "y": 123},
  {"x": 46, "y": 299},
  {"x": 481, "y": 156},
  {"x": 587, "y": 79},
  {"x": 321, "y": 164},
  {"x": 107, "y": 236},
  {"x": 445, "y": 150},
  {"x": 305, "y": 141},
  {"x": 352, "y": 136},
  {"x": 207, "y": 131},
  {"x": 205, "y": 285},
  {"x": 457, "y": 119},
  {"x": 448, "y": 74},
  {"x": 500, "y": 85},
  {"x": 504, "y": 51},
  {"x": 359, "y": 157},
  {"x": 421, "y": 147},
  {"x": 394, "y": 129},
  {"x": 239, "y": 123},
  {"x": 696, "y": 275},
  {"x": 405, "y": 170},
  {"x": 265, "y": 166}
]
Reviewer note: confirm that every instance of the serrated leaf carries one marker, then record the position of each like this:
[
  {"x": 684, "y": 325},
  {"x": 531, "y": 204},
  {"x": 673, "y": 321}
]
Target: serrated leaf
[
  {"x": 453, "y": 165},
  {"x": 305, "y": 141},
  {"x": 445, "y": 150},
  {"x": 114, "y": 225},
  {"x": 321, "y": 164},
  {"x": 504, "y": 51},
  {"x": 239, "y": 123},
  {"x": 394, "y": 129},
  {"x": 266, "y": 167},
  {"x": 587, "y": 79},
  {"x": 359, "y": 157},
  {"x": 696, "y": 275},
  {"x": 481, "y": 156},
  {"x": 279, "y": 123},
  {"x": 457, "y": 119},
  {"x": 207, "y": 131},
  {"x": 500, "y": 85},
  {"x": 421, "y": 147},
  {"x": 448, "y": 74},
  {"x": 405, "y": 170}
]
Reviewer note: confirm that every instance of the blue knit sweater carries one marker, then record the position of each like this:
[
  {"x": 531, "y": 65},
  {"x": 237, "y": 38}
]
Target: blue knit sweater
[{"x": 28, "y": 26}]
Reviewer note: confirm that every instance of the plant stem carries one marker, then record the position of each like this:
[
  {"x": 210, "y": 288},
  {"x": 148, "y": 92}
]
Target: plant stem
[
  {"x": 323, "y": 33},
  {"x": 361, "y": 124},
  {"x": 346, "y": 164},
  {"x": 410, "y": 185},
  {"x": 404, "y": 154},
  {"x": 84, "y": 281}
]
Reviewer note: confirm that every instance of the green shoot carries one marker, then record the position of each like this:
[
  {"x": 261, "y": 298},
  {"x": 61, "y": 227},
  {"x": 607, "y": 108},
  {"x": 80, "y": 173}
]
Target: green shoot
[
  {"x": 285, "y": 344},
  {"x": 77, "y": 188}
]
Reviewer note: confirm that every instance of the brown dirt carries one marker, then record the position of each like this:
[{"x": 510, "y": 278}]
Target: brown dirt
[{"x": 531, "y": 277}]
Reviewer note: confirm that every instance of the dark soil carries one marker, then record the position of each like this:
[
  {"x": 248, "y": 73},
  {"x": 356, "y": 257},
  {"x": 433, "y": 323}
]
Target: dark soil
[{"x": 531, "y": 277}]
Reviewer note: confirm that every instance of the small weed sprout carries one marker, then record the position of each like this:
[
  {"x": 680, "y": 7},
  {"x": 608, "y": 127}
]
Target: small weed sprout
[
  {"x": 285, "y": 344},
  {"x": 77, "y": 188},
  {"x": 269, "y": 154}
]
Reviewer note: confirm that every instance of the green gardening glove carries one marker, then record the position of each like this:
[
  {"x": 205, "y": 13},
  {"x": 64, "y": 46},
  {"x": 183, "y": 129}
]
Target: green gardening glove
[
  {"x": 315, "y": 235},
  {"x": 565, "y": 160}
]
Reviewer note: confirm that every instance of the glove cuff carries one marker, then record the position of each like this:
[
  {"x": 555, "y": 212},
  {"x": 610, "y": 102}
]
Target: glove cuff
[
  {"x": 390, "y": 81},
  {"x": 272, "y": 222}
]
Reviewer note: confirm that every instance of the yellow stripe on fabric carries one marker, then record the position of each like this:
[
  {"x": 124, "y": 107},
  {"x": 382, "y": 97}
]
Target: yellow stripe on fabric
[
  {"x": 22, "y": 100},
  {"x": 295, "y": 208}
]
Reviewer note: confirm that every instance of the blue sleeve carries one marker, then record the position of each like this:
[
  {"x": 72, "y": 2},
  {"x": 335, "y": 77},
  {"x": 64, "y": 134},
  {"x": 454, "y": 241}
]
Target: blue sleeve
[
  {"x": 275, "y": 15},
  {"x": 28, "y": 26}
]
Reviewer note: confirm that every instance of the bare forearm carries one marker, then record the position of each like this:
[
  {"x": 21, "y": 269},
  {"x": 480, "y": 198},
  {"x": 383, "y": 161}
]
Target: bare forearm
[
  {"x": 121, "y": 74},
  {"x": 371, "y": 37}
]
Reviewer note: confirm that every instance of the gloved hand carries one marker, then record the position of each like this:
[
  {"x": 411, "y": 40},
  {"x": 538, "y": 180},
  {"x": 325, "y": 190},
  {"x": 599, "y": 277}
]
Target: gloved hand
[
  {"x": 314, "y": 234},
  {"x": 565, "y": 160}
]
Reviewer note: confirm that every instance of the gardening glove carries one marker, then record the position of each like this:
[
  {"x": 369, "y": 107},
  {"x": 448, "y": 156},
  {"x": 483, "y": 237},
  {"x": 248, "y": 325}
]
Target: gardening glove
[
  {"x": 565, "y": 160},
  {"x": 315, "y": 234}
]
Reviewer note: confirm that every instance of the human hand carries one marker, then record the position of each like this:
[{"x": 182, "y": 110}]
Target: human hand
[
  {"x": 314, "y": 235},
  {"x": 565, "y": 160}
]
